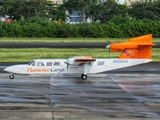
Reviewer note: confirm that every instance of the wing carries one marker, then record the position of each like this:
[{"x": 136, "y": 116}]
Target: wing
[{"x": 85, "y": 59}]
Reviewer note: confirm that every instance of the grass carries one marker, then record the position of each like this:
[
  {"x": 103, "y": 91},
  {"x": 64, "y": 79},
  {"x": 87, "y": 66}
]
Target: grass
[
  {"x": 6, "y": 39},
  {"x": 28, "y": 54},
  {"x": 61, "y": 39},
  {"x": 156, "y": 54}
]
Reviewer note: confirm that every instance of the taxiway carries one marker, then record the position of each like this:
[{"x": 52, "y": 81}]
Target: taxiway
[{"x": 103, "y": 96}]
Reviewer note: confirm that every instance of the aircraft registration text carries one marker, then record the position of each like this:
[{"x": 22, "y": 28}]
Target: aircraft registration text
[{"x": 120, "y": 61}]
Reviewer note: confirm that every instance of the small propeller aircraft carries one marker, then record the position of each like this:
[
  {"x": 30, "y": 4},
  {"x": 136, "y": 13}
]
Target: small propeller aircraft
[{"x": 136, "y": 51}]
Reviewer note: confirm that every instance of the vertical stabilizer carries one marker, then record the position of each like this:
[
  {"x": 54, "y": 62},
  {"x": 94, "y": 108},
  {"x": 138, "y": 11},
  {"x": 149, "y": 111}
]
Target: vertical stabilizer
[
  {"x": 138, "y": 47},
  {"x": 142, "y": 39},
  {"x": 143, "y": 49}
]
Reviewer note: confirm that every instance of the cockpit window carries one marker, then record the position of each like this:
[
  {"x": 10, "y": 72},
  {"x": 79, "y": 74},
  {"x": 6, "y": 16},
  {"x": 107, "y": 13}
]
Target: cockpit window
[
  {"x": 32, "y": 63},
  {"x": 40, "y": 64}
]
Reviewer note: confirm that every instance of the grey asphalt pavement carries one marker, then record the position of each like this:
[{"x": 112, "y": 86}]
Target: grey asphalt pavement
[
  {"x": 129, "y": 95},
  {"x": 56, "y": 45},
  {"x": 101, "y": 97}
]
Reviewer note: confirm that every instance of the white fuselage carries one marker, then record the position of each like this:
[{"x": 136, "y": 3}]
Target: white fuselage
[{"x": 58, "y": 66}]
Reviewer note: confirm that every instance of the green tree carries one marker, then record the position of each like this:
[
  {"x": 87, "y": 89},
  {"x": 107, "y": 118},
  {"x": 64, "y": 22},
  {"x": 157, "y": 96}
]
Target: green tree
[
  {"x": 55, "y": 11},
  {"x": 145, "y": 9},
  {"x": 34, "y": 8},
  {"x": 104, "y": 11},
  {"x": 78, "y": 5},
  {"x": 95, "y": 10},
  {"x": 5, "y": 7},
  {"x": 23, "y": 9}
]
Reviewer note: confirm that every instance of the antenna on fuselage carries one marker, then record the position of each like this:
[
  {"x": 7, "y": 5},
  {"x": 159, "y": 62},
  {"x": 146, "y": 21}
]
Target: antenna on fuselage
[
  {"x": 39, "y": 57},
  {"x": 97, "y": 56}
]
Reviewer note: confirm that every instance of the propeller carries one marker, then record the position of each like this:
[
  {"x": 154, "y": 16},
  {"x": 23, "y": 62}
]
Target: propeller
[
  {"x": 108, "y": 47},
  {"x": 109, "y": 51},
  {"x": 67, "y": 62}
]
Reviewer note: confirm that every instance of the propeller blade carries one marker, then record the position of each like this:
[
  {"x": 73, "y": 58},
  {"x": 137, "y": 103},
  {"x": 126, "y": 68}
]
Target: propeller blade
[
  {"x": 67, "y": 62},
  {"x": 108, "y": 45},
  {"x": 67, "y": 66},
  {"x": 109, "y": 50}
]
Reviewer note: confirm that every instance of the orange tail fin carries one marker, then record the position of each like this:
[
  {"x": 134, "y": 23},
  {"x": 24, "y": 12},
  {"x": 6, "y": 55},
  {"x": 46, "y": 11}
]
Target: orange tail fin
[
  {"x": 138, "y": 47},
  {"x": 143, "y": 50}
]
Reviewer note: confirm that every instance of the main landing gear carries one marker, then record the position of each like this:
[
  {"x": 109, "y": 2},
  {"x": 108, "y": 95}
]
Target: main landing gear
[
  {"x": 11, "y": 76},
  {"x": 84, "y": 77}
]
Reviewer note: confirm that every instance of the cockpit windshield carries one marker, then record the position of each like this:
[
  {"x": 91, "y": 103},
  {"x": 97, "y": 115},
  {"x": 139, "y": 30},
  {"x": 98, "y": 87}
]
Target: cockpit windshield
[{"x": 32, "y": 63}]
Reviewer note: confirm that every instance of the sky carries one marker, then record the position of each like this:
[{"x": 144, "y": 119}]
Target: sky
[{"x": 121, "y": 1}]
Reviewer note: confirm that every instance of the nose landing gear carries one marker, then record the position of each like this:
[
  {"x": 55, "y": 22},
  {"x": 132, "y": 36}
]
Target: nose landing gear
[{"x": 11, "y": 76}]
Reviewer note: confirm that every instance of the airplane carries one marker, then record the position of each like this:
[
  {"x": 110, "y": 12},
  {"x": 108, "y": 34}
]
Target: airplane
[{"x": 137, "y": 50}]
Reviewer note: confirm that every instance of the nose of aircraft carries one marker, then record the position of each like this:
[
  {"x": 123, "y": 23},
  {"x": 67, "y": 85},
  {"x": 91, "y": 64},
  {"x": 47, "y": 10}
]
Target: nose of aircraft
[
  {"x": 9, "y": 69},
  {"x": 6, "y": 69},
  {"x": 16, "y": 68}
]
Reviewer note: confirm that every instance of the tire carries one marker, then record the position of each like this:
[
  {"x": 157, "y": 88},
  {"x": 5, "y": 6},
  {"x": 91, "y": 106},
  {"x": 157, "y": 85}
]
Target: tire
[
  {"x": 84, "y": 77},
  {"x": 11, "y": 76}
]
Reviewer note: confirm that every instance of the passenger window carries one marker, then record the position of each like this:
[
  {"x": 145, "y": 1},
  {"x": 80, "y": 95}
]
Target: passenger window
[
  {"x": 49, "y": 63},
  {"x": 100, "y": 62},
  {"x": 40, "y": 64},
  {"x": 56, "y": 63}
]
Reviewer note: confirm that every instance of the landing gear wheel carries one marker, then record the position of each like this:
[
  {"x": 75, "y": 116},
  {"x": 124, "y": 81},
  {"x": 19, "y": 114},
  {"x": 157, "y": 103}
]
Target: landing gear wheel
[
  {"x": 84, "y": 77},
  {"x": 11, "y": 76}
]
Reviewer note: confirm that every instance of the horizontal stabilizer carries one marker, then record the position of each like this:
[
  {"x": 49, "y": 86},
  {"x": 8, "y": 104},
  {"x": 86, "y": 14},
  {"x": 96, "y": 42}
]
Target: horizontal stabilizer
[{"x": 141, "y": 46}]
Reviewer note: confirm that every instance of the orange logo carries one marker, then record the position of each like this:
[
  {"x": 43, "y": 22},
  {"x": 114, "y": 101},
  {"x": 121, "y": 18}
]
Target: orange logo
[{"x": 38, "y": 70}]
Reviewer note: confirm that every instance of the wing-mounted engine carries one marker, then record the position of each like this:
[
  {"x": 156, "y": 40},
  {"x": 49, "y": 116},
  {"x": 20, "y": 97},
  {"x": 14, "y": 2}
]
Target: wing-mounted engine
[
  {"x": 81, "y": 61},
  {"x": 86, "y": 61},
  {"x": 71, "y": 62}
]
